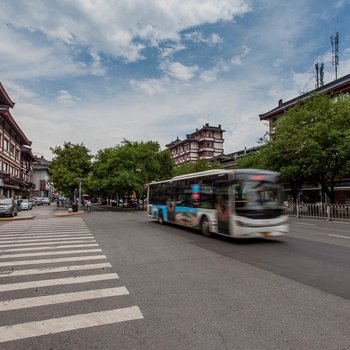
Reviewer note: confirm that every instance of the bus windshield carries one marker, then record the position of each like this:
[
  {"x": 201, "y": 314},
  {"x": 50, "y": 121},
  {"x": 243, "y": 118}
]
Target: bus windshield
[{"x": 257, "y": 199}]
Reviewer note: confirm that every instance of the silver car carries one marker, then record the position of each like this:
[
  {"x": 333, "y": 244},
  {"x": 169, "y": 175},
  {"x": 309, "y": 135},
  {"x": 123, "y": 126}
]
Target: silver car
[
  {"x": 26, "y": 204},
  {"x": 8, "y": 207}
]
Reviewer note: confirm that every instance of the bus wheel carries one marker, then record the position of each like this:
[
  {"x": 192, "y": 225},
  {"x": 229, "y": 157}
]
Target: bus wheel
[
  {"x": 205, "y": 227},
  {"x": 160, "y": 217}
]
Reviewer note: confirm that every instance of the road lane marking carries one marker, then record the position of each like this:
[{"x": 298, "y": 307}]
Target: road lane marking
[
  {"x": 53, "y": 260},
  {"x": 304, "y": 224},
  {"x": 62, "y": 252},
  {"x": 21, "y": 231},
  {"x": 24, "y": 303},
  {"x": 44, "y": 229},
  {"x": 338, "y": 236},
  {"x": 58, "y": 282},
  {"x": 69, "y": 323},
  {"x": 43, "y": 239},
  {"x": 49, "y": 246},
  {"x": 45, "y": 243},
  {"x": 43, "y": 270},
  {"x": 49, "y": 234}
]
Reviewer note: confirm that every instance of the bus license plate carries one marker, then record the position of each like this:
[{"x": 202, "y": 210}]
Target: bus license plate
[{"x": 265, "y": 234}]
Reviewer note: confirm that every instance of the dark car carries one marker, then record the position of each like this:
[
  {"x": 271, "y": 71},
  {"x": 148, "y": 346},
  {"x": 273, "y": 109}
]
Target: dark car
[{"x": 8, "y": 207}]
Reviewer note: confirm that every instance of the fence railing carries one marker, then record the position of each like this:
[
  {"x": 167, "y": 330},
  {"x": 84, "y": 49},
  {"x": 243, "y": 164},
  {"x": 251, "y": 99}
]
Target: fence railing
[{"x": 318, "y": 210}]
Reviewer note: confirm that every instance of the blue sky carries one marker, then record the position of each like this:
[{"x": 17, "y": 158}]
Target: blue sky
[{"x": 97, "y": 72}]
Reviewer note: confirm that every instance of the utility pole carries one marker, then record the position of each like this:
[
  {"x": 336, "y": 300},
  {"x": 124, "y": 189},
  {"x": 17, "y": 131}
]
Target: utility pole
[{"x": 80, "y": 181}]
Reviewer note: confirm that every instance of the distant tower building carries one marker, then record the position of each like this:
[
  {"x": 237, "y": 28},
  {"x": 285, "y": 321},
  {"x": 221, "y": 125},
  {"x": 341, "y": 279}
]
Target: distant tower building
[
  {"x": 205, "y": 143},
  {"x": 42, "y": 178}
]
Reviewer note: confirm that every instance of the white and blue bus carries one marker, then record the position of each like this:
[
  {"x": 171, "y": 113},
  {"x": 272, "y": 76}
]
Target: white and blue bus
[{"x": 242, "y": 203}]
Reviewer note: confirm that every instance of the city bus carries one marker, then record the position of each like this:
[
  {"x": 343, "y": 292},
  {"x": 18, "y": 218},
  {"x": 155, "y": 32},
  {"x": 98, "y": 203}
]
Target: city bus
[{"x": 242, "y": 203}]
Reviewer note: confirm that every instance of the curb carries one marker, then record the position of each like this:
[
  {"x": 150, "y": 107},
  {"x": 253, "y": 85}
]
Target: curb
[
  {"x": 18, "y": 218},
  {"x": 69, "y": 214}
]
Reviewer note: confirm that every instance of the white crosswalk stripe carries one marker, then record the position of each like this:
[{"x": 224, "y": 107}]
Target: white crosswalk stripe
[
  {"x": 63, "y": 324},
  {"x": 48, "y": 246},
  {"x": 23, "y": 244},
  {"x": 45, "y": 270},
  {"x": 62, "y": 252}
]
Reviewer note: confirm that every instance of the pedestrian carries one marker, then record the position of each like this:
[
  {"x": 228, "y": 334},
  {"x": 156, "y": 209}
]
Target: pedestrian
[{"x": 88, "y": 205}]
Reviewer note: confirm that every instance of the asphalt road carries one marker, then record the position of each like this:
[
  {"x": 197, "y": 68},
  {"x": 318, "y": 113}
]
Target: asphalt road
[
  {"x": 287, "y": 293},
  {"x": 195, "y": 292}
]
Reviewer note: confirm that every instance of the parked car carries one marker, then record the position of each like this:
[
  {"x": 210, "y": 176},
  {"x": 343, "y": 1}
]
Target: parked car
[
  {"x": 8, "y": 207},
  {"x": 26, "y": 204},
  {"x": 36, "y": 200},
  {"x": 45, "y": 200}
]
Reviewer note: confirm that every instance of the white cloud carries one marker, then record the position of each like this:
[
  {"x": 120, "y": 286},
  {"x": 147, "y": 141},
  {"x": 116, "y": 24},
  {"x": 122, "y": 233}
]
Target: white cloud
[
  {"x": 178, "y": 70},
  {"x": 198, "y": 37},
  {"x": 111, "y": 26},
  {"x": 149, "y": 87},
  {"x": 237, "y": 60},
  {"x": 170, "y": 50},
  {"x": 65, "y": 97},
  {"x": 26, "y": 59},
  {"x": 210, "y": 75}
]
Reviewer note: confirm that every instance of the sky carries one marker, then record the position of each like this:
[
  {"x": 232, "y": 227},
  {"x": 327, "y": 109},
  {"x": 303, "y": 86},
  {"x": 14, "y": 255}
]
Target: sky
[{"x": 100, "y": 71}]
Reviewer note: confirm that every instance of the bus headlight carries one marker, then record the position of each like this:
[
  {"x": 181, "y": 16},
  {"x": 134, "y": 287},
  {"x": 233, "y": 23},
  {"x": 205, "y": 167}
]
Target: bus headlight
[{"x": 240, "y": 223}]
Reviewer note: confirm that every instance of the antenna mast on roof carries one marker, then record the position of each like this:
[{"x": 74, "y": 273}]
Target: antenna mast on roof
[
  {"x": 335, "y": 53},
  {"x": 319, "y": 74}
]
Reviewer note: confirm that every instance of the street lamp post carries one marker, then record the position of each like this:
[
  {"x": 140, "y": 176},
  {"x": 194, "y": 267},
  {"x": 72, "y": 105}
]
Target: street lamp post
[
  {"x": 80, "y": 181},
  {"x": 79, "y": 192}
]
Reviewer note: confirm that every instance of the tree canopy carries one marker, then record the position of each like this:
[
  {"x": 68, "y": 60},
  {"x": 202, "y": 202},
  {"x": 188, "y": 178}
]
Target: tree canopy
[
  {"x": 193, "y": 167},
  {"x": 70, "y": 163},
  {"x": 128, "y": 167},
  {"x": 310, "y": 142}
]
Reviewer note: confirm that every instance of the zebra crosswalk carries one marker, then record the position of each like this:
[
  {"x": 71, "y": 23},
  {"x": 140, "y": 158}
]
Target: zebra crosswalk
[{"x": 60, "y": 258}]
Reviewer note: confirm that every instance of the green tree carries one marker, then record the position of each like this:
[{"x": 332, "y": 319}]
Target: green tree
[
  {"x": 193, "y": 167},
  {"x": 312, "y": 141},
  {"x": 70, "y": 163},
  {"x": 128, "y": 167}
]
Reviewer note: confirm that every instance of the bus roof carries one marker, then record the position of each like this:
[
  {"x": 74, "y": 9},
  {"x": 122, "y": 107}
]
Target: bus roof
[{"x": 216, "y": 172}]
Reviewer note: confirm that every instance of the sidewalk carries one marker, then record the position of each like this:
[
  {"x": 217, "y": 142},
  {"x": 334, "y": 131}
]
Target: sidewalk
[
  {"x": 42, "y": 212},
  {"x": 62, "y": 212}
]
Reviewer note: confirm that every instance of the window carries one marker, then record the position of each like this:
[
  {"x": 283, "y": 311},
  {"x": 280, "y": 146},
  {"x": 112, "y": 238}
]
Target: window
[
  {"x": 17, "y": 172},
  {"x": 5, "y": 167},
  {"x": 6, "y": 145},
  {"x": 12, "y": 149},
  {"x": 11, "y": 170},
  {"x": 17, "y": 153}
]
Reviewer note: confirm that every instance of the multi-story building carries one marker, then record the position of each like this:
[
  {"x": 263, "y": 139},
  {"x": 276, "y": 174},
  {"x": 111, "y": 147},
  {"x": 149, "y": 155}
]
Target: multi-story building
[
  {"x": 312, "y": 192},
  {"x": 42, "y": 178},
  {"x": 16, "y": 158},
  {"x": 230, "y": 160},
  {"x": 336, "y": 87},
  {"x": 205, "y": 143}
]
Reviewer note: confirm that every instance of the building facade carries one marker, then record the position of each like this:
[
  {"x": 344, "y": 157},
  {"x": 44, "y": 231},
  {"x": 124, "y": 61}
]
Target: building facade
[
  {"x": 312, "y": 192},
  {"x": 205, "y": 143},
  {"x": 334, "y": 88},
  {"x": 42, "y": 178},
  {"x": 16, "y": 158}
]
